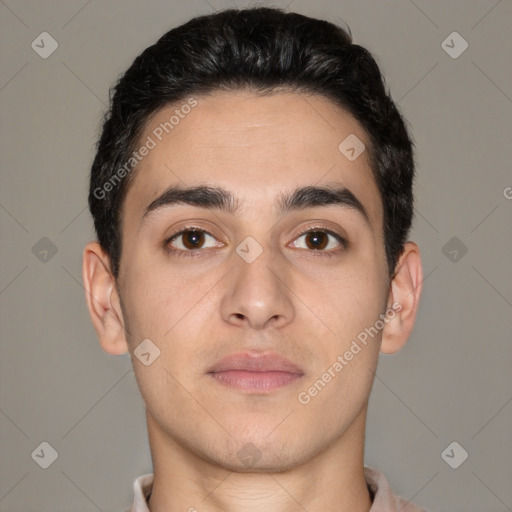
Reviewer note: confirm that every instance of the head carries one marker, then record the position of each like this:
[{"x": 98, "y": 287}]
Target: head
[{"x": 250, "y": 129}]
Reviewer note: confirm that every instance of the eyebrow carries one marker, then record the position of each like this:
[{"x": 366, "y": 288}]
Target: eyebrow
[{"x": 218, "y": 198}]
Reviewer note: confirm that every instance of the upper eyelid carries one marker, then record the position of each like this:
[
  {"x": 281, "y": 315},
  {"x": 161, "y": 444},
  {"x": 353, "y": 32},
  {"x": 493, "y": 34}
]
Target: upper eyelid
[{"x": 186, "y": 230}]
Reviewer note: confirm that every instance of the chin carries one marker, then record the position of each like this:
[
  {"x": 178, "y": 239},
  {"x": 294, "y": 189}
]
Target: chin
[{"x": 253, "y": 454}]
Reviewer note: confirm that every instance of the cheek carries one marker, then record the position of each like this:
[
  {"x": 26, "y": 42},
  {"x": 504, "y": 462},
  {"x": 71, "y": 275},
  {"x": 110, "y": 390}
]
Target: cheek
[
  {"x": 160, "y": 312},
  {"x": 156, "y": 296},
  {"x": 341, "y": 382},
  {"x": 349, "y": 300},
  {"x": 168, "y": 308}
]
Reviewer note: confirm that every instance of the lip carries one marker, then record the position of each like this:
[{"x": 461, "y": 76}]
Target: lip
[
  {"x": 255, "y": 372},
  {"x": 255, "y": 362}
]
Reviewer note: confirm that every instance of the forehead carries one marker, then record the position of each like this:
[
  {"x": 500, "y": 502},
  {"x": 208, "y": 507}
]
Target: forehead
[{"x": 255, "y": 146}]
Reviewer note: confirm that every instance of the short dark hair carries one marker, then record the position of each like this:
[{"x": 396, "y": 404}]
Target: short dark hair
[{"x": 263, "y": 50}]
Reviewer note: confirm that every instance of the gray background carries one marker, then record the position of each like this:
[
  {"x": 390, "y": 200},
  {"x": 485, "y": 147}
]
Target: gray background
[{"x": 452, "y": 381}]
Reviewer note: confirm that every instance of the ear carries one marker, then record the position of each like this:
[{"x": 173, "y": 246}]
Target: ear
[
  {"x": 103, "y": 299},
  {"x": 403, "y": 299}
]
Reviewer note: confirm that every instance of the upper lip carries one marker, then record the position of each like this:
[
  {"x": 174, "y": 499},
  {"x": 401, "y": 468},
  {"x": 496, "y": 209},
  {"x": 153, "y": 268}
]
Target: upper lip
[{"x": 255, "y": 362}]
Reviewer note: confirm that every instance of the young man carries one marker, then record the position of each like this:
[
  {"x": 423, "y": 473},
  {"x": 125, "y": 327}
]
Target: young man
[{"x": 252, "y": 196}]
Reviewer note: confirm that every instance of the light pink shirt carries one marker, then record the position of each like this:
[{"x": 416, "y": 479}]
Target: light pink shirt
[{"x": 384, "y": 499}]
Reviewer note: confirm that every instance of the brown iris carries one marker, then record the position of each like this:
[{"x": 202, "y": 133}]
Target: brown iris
[
  {"x": 193, "y": 239},
  {"x": 319, "y": 240}
]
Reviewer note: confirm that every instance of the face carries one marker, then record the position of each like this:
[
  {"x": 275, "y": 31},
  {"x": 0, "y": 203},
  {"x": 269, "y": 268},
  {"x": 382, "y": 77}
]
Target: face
[{"x": 262, "y": 276}]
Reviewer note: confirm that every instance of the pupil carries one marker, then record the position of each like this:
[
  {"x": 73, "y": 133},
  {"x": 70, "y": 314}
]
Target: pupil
[
  {"x": 192, "y": 239},
  {"x": 316, "y": 237}
]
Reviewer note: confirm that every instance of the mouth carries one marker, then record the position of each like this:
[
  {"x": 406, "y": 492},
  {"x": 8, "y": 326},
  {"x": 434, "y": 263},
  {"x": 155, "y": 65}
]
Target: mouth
[{"x": 255, "y": 372}]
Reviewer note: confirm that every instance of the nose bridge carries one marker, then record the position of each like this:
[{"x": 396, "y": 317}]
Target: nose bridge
[{"x": 257, "y": 292}]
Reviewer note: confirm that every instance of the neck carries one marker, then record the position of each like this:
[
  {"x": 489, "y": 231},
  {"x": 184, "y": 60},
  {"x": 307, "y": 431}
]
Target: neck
[{"x": 332, "y": 480}]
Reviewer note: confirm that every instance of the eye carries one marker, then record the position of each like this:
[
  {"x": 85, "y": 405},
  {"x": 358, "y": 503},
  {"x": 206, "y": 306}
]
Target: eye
[
  {"x": 189, "y": 240},
  {"x": 320, "y": 239}
]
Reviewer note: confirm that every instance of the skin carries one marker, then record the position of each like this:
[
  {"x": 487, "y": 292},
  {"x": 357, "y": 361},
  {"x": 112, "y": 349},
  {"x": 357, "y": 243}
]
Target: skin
[{"x": 304, "y": 303}]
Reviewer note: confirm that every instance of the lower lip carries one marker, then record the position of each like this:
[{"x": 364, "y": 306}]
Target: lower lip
[{"x": 255, "y": 381}]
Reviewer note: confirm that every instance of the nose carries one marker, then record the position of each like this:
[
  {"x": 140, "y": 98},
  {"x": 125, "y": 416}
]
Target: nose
[{"x": 257, "y": 294}]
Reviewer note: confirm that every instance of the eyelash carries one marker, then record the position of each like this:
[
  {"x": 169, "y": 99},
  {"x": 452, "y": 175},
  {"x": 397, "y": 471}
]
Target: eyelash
[{"x": 312, "y": 229}]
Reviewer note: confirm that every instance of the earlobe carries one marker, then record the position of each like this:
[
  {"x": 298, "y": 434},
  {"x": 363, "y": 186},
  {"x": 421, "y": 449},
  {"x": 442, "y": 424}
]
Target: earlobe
[
  {"x": 403, "y": 300},
  {"x": 102, "y": 300}
]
